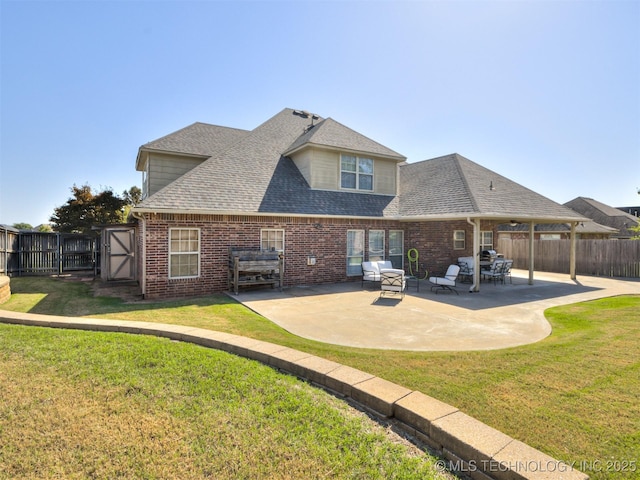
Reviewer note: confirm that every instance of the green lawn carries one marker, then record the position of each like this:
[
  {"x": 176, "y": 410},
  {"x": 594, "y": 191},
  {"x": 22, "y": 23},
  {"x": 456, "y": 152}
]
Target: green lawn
[
  {"x": 574, "y": 395},
  {"x": 79, "y": 404}
]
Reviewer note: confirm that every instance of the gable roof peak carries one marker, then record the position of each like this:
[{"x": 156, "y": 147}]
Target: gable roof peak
[{"x": 331, "y": 134}]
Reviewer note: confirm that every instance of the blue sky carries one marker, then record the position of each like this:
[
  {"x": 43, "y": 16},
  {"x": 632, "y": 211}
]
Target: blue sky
[{"x": 546, "y": 93}]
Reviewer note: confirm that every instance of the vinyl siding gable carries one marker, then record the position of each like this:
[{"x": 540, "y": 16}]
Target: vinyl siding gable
[
  {"x": 321, "y": 170},
  {"x": 163, "y": 169}
]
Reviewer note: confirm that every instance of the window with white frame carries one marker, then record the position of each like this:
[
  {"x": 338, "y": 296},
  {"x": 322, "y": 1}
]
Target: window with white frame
[
  {"x": 459, "y": 237},
  {"x": 550, "y": 236},
  {"x": 396, "y": 248},
  {"x": 376, "y": 245},
  {"x": 272, "y": 239},
  {"x": 145, "y": 181},
  {"x": 486, "y": 240},
  {"x": 356, "y": 173},
  {"x": 184, "y": 252},
  {"x": 355, "y": 252}
]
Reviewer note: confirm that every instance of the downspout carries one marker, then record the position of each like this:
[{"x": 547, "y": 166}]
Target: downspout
[
  {"x": 143, "y": 261},
  {"x": 476, "y": 254}
]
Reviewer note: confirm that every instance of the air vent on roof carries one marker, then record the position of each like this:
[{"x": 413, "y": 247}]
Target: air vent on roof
[{"x": 305, "y": 114}]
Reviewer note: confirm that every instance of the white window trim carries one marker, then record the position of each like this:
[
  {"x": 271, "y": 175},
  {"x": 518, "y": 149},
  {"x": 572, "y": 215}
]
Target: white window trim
[
  {"x": 361, "y": 233},
  {"x": 401, "y": 254},
  {"x": 267, "y": 230},
  {"x": 145, "y": 181},
  {"x": 456, "y": 239},
  {"x": 172, "y": 254},
  {"x": 357, "y": 174},
  {"x": 484, "y": 246},
  {"x": 369, "y": 252},
  {"x": 550, "y": 236}
]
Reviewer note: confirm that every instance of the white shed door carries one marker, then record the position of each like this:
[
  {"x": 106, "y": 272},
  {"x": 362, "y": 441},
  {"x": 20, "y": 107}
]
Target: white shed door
[{"x": 121, "y": 261}]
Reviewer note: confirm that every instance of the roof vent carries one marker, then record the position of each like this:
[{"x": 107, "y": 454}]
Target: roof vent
[{"x": 305, "y": 114}]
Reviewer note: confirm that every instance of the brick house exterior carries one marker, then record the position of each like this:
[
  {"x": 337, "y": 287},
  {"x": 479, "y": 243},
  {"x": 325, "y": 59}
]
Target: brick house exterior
[{"x": 321, "y": 190}]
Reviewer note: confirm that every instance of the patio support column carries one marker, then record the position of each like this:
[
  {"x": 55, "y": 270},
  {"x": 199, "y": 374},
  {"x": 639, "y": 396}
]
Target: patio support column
[
  {"x": 572, "y": 252},
  {"x": 476, "y": 254},
  {"x": 531, "y": 250}
]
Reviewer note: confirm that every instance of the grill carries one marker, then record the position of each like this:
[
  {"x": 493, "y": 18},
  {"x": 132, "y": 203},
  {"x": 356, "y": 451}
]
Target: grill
[{"x": 488, "y": 255}]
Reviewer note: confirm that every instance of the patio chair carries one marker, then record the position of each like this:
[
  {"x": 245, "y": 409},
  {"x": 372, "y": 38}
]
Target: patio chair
[
  {"x": 448, "y": 282},
  {"x": 392, "y": 280},
  {"x": 495, "y": 271},
  {"x": 466, "y": 269},
  {"x": 506, "y": 271}
]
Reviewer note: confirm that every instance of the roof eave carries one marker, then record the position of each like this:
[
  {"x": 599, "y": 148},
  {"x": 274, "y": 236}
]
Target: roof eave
[
  {"x": 146, "y": 151},
  {"x": 397, "y": 158},
  {"x": 177, "y": 211},
  {"x": 438, "y": 217},
  {"x": 493, "y": 217}
]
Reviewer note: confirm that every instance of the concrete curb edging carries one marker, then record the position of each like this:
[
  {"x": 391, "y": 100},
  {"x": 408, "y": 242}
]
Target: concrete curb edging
[{"x": 469, "y": 446}]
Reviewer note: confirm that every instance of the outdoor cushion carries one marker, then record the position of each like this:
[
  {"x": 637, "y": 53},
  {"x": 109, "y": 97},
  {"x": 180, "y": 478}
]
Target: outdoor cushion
[
  {"x": 466, "y": 268},
  {"x": 392, "y": 280},
  {"x": 468, "y": 261},
  {"x": 446, "y": 282},
  {"x": 371, "y": 270}
]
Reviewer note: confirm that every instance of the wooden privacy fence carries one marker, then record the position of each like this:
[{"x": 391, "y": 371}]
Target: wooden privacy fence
[
  {"x": 39, "y": 253},
  {"x": 605, "y": 258}
]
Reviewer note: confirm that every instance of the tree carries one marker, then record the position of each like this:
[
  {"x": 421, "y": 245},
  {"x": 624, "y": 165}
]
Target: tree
[
  {"x": 132, "y": 196},
  {"x": 86, "y": 209},
  {"x": 27, "y": 226},
  {"x": 22, "y": 226}
]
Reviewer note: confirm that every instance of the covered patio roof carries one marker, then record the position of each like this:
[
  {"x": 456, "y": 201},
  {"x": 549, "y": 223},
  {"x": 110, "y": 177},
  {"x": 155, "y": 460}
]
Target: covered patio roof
[{"x": 453, "y": 187}]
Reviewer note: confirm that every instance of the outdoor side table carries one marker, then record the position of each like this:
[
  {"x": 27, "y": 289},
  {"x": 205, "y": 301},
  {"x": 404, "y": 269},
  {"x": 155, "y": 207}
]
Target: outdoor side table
[{"x": 411, "y": 278}]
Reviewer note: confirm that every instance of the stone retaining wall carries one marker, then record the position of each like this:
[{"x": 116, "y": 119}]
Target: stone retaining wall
[{"x": 465, "y": 444}]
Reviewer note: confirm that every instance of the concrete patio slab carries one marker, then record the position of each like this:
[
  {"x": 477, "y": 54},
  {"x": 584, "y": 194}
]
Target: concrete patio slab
[{"x": 499, "y": 316}]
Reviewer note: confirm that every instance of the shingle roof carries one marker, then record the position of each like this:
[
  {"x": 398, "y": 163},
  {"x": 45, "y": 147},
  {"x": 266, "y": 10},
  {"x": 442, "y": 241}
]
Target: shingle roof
[
  {"x": 453, "y": 187},
  {"x": 329, "y": 133},
  {"x": 604, "y": 215},
  {"x": 252, "y": 176},
  {"x": 196, "y": 139},
  {"x": 248, "y": 172}
]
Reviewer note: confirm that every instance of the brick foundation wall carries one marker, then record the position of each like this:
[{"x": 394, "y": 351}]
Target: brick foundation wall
[{"x": 324, "y": 239}]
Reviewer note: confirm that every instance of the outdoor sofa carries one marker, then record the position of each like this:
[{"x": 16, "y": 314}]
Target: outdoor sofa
[{"x": 371, "y": 270}]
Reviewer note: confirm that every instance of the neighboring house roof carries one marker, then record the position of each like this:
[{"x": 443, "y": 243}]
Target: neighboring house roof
[
  {"x": 200, "y": 139},
  {"x": 251, "y": 173},
  {"x": 587, "y": 227},
  {"x": 455, "y": 187},
  {"x": 604, "y": 215},
  {"x": 635, "y": 211}
]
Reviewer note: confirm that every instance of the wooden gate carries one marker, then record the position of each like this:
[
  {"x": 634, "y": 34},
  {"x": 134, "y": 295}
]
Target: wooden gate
[{"x": 119, "y": 261}]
